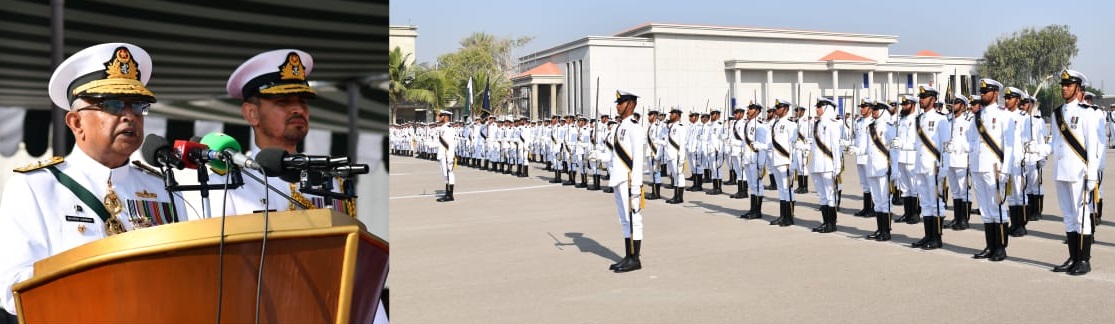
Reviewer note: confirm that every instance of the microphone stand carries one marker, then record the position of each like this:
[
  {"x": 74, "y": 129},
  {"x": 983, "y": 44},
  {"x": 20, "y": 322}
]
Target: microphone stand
[{"x": 203, "y": 185}]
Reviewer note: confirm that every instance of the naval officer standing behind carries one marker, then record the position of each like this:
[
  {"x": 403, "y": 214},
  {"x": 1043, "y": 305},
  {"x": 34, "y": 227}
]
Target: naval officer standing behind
[
  {"x": 1076, "y": 152},
  {"x": 627, "y": 179},
  {"x": 56, "y": 205}
]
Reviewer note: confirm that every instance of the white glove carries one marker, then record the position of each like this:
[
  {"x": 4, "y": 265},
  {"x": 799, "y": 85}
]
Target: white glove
[
  {"x": 636, "y": 190},
  {"x": 1089, "y": 185}
]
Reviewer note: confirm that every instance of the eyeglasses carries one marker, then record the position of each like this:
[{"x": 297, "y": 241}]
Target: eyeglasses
[
  {"x": 985, "y": 90},
  {"x": 116, "y": 107}
]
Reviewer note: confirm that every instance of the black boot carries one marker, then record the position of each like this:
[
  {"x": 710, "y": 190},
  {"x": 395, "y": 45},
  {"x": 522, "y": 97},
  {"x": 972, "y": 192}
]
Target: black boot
[
  {"x": 1084, "y": 265},
  {"x": 740, "y": 193},
  {"x": 708, "y": 174},
  {"x": 584, "y": 181},
  {"x": 832, "y": 220},
  {"x": 927, "y": 237},
  {"x": 964, "y": 222},
  {"x": 989, "y": 241},
  {"x": 756, "y": 211},
  {"x": 824, "y": 220},
  {"x": 557, "y": 177},
  {"x": 1018, "y": 221},
  {"x": 936, "y": 226},
  {"x": 803, "y": 185},
  {"x": 1073, "y": 239},
  {"x": 677, "y": 199},
  {"x": 596, "y": 183},
  {"x": 1032, "y": 213},
  {"x": 448, "y": 196},
  {"x": 781, "y": 213},
  {"x": 896, "y": 198},
  {"x": 691, "y": 177},
  {"x": 957, "y": 207},
  {"x": 526, "y": 171},
  {"x": 915, "y": 211},
  {"x": 608, "y": 189},
  {"x": 633, "y": 262},
  {"x": 653, "y": 195},
  {"x": 731, "y": 176},
  {"x": 626, "y": 252},
  {"x": 696, "y": 183},
  {"x": 745, "y": 190},
  {"x": 867, "y": 208},
  {"x": 882, "y": 222},
  {"x": 999, "y": 233},
  {"x": 789, "y": 219},
  {"x": 1099, "y": 214},
  {"x": 715, "y": 188},
  {"x": 772, "y": 185},
  {"x": 572, "y": 179}
]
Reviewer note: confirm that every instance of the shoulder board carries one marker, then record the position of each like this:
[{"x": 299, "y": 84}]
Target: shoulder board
[
  {"x": 942, "y": 114},
  {"x": 1037, "y": 117},
  {"x": 218, "y": 172},
  {"x": 39, "y": 165},
  {"x": 1084, "y": 105},
  {"x": 146, "y": 169}
]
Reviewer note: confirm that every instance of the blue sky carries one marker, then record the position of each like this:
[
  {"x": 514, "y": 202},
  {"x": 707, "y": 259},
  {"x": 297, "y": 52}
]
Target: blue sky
[{"x": 951, "y": 28}]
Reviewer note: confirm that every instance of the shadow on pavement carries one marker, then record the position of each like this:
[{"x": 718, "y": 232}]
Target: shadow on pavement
[{"x": 588, "y": 245}]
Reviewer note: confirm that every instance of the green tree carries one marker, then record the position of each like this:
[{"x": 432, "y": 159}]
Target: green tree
[
  {"x": 438, "y": 90},
  {"x": 401, "y": 89},
  {"x": 482, "y": 57},
  {"x": 1029, "y": 57},
  {"x": 1050, "y": 97}
]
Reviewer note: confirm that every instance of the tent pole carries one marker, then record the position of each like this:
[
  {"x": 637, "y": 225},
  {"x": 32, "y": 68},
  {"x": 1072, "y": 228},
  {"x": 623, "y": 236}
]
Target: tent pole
[{"x": 60, "y": 132}]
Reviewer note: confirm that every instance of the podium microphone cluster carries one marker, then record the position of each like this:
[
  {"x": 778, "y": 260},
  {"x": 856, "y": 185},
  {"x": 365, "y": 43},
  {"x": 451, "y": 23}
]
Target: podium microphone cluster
[{"x": 213, "y": 148}]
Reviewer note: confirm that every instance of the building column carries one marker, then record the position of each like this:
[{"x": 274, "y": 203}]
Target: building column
[
  {"x": 533, "y": 101},
  {"x": 890, "y": 83},
  {"x": 766, "y": 92},
  {"x": 870, "y": 84},
  {"x": 801, "y": 80},
  {"x": 568, "y": 85},
  {"x": 735, "y": 86},
  {"x": 836, "y": 86},
  {"x": 553, "y": 99}
]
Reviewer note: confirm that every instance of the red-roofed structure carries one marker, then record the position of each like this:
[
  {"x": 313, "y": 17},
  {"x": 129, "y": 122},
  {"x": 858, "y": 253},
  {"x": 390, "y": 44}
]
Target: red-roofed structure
[
  {"x": 548, "y": 68},
  {"x": 839, "y": 55},
  {"x": 927, "y": 52}
]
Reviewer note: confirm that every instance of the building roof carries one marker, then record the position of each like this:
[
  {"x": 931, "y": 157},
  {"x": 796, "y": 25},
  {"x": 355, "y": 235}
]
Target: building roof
[
  {"x": 839, "y": 55},
  {"x": 927, "y": 53},
  {"x": 545, "y": 69}
]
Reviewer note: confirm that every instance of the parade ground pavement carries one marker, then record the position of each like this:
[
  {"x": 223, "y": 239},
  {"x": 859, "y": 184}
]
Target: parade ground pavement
[{"x": 522, "y": 250}]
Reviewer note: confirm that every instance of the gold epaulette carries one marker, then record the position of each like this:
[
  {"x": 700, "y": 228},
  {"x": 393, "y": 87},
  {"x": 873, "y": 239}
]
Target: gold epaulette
[
  {"x": 39, "y": 165},
  {"x": 147, "y": 169}
]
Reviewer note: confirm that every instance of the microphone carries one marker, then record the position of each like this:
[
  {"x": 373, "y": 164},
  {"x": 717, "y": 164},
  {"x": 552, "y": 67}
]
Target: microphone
[
  {"x": 221, "y": 143},
  {"x": 158, "y": 152},
  {"x": 193, "y": 154},
  {"x": 275, "y": 161}
]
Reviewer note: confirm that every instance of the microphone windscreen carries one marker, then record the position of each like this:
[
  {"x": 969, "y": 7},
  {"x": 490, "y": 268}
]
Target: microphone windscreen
[
  {"x": 220, "y": 142},
  {"x": 151, "y": 146},
  {"x": 271, "y": 161},
  {"x": 195, "y": 139}
]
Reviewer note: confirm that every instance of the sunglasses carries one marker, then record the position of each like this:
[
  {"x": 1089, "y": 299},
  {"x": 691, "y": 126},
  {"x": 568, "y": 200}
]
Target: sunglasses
[
  {"x": 985, "y": 90},
  {"x": 116, "y": 107}
]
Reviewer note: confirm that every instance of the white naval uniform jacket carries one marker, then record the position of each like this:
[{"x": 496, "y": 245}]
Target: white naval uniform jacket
[
  {"x": 714, "y": 140},
  {"x": 931, "y": 130},
  {"x": 628, "y": 141},
  {"x": 1076, "y": 119},
  {"x": 861, "y": 140},
  {"x": 879, "y": 133},
  {"x": 735, "y": 142},
  {"x": 40, "y": 217},
  {"x": 957, "y": 156},
  {"x": 755, "y": 141},
  {"x": 906, "y": 138},
  {"x": 676, "y": 140},
  {"x": 827, "y": 133},
  {"x": 783, "y": 134},
  {"x": 996, "y": 133},
  {"x": 446, "y": 142},
  {"x": 1033, "y": 130}
]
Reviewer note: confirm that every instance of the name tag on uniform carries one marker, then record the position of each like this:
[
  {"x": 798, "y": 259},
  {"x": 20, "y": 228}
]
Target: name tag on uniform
[{"x": 79, "y": 219}]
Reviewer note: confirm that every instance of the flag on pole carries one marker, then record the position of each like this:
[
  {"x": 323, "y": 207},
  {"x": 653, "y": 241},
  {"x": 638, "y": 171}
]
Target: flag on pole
[
  {"x": 468, "y": 100},
  {"x": 487, "y": 103}
]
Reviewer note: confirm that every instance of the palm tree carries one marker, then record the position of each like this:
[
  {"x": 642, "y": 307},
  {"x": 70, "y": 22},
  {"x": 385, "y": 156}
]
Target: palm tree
[
  {"x": 435, "y": 88},
  {"x": 402, "y": 77}
]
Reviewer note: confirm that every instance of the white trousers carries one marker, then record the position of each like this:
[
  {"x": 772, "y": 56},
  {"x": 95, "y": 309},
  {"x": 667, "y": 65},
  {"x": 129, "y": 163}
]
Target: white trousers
[
  {"x": 958, "y": 182},
  {"x": 861, "y": 170},
  {"x": 928, "y": 195},
  {"x": 1078, "y": 217},
  {"x": 880, "y": 194},
  {"x": 630, "y": 219},
  {"x": 781, "y": 179},
  {"x": 983, "y": 185},
  {"x": 674, "y": 165},
  {"x": 825, "y": 188},
  {"x": 447, "y": 173}
]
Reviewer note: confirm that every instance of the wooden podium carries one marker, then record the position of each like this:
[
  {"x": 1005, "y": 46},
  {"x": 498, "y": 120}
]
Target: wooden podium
[{"x": 320, "y": 266}]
